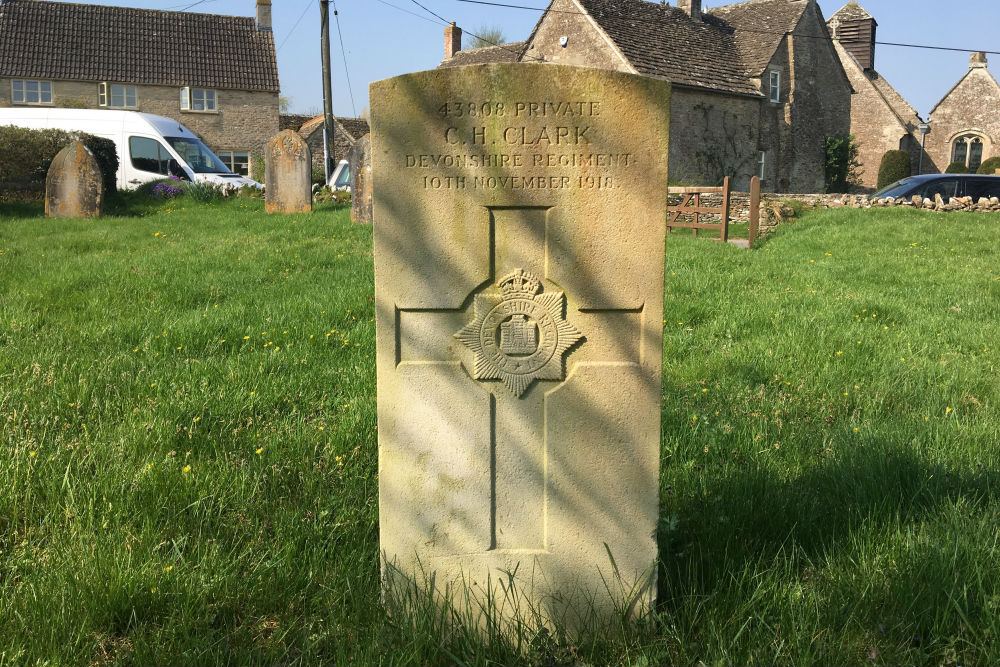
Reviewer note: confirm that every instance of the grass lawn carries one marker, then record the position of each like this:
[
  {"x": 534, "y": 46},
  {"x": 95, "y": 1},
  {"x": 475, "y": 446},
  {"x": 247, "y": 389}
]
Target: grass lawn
[{"x": 188, "y": 447}]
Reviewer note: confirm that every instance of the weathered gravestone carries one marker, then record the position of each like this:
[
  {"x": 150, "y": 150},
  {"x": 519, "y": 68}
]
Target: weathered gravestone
[
  {"x": 360, "y": 158},
  {"x": 519, "y": 248},
  {"x": 287, "y": 174},
  {"x": 74, "y": 186}
]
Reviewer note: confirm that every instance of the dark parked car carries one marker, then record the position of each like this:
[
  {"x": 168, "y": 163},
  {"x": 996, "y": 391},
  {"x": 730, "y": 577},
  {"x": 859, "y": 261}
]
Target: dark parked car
[{"x": 946, "y": 185}]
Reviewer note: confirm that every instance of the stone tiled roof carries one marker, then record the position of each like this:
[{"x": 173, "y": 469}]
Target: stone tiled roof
[
  {"x": 664, "y": 42},
  {"x": 355, "y": 127},
  {"x": 501, "y": 53},
  {"x": 852, "y": 11},
  {"x": 897, "y": 102},
  {"x": 759, "y": 26},
  {"x": 293, "y": 121},
  {"x": 68, "y": 41}
]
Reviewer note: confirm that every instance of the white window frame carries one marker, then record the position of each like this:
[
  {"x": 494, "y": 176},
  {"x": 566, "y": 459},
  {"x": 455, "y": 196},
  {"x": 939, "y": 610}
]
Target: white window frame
[
  {"x": 229, "y": 159},
  {"x": 42, "y": 90},
  {"x": 106, "y": 93},
  {"x": 774, "y": 81},
  {"x": 209, "y": 100},
  {"x": 761, "y": 163}
]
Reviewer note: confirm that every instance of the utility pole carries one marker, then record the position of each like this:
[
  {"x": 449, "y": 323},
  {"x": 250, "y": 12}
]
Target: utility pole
[{"x": 324, "y": 19}]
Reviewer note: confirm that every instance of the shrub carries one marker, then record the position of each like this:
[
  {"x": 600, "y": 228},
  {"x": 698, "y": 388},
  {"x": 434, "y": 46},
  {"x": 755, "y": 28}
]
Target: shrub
[
  {"x": 28, "y": 154},
  {"x": 257, "y": 167},
  {"x": 895, "y": 165},
  {"x": 957, "y": 168},
  {"x": 325, "y": 194},
  {"x": 318, "y": 174},
  {"x": 203, "y": 191},
  {"x": 166, "y": 188},
  {"x": 989, "y": 166},
  {"x": 843, "y": 168}
]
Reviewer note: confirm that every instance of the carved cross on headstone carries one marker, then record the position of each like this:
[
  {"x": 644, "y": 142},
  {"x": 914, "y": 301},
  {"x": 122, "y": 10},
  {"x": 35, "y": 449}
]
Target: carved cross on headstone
[{"x": 520, "y": 337}]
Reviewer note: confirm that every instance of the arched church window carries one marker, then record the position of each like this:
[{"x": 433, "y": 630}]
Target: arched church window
[{"x": 968, "y": 149}]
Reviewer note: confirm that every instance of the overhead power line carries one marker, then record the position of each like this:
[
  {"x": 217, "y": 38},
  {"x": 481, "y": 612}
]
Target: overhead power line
[
  {"x": 445, "y": 21},
  {"x": 292, "y": 31},
  {"x": 762, "y": 32},
  {"x": 347, "y": 74}
]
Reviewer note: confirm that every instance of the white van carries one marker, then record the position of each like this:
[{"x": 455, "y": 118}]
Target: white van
[{"x": 149, "y": 147}]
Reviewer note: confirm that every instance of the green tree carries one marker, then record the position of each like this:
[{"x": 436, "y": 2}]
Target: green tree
[
  {"x": 487, "y": 35},
  {"x": 843, "y": 168}
]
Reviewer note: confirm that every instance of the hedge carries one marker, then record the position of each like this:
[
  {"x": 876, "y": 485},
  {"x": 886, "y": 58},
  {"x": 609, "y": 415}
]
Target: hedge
[
  {"x": 957, "y": 168},
  {"x": 27, "y": 155},
  {"x": 895, "y": 166},
  {"x": 989, "y": 166}
]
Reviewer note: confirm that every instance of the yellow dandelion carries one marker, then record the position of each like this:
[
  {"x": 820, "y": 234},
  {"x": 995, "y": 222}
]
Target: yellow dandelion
[
  {"x": 855, "y": 429},
  {"x": 246, "y": 338},
  {"x": 32, "y": 453},
  {"x": 259, "y": 450},
  {"x": 839, "y": 352},
  {"x": 186, "y": 469},
  {"x": 168, "y": 568},
  {"x": 947, "y": 411}
]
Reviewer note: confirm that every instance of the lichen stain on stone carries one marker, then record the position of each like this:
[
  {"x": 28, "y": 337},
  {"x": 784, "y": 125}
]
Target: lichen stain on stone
[
  {"x": 288, "y": 170},
  {"x": 74, "y": 186}
]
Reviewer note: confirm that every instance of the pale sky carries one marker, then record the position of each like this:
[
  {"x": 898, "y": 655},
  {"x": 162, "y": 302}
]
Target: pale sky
[{"x": 384, "y": 38}]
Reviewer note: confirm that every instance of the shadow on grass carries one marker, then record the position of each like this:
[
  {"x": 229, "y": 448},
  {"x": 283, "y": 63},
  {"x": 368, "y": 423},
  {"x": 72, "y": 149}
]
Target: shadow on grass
[{"x": 867, "y": 529}]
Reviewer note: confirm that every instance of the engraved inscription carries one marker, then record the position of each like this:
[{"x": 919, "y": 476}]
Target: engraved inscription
[
  {"x": 519, "y": 336},
  {"x": 552, "y": 141}
]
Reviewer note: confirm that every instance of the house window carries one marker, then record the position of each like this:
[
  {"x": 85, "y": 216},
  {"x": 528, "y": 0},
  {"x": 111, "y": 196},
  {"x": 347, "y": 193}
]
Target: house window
[
  {"x": 198, "y": 99},
  {"x": 775, "y": 86},
  {"x": 31, "y": 91},
  {"x": 237, "y": 161},
  {"x": 968, "y": 149},
  {"x": 761, "y": 160},
  {"x": 116, "y": 95}
]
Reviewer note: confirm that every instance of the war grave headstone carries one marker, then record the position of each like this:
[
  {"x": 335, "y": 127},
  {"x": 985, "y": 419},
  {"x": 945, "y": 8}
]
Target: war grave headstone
[
  {"x": 519, "y": 247},
  {"x": 360, "y": 159},
  {"x": 74, "y": 186},
  {"x": 287, "y": 174}
]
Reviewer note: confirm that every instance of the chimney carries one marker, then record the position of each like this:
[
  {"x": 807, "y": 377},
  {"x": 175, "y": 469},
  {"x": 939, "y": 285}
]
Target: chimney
[
  {"x": 264, "y": 15},
  {"x": 977, "y": 59},
  {"x": 690, "y": 7},
  {"x": 452, "y": 40}
]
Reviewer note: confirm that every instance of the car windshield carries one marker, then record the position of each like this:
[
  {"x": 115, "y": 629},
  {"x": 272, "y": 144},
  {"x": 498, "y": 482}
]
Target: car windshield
[
  {"x": 895, "y": 189},
  {"x": 198, "y": 157}
]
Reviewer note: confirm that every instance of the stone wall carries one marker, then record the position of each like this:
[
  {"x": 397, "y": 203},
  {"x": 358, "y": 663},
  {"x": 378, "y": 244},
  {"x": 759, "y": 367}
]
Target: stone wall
[
  {"x": 713, "y": 136},
  {"x": 587, "y": 46},
  {"x": 818, "y": 106},
  {"x": 972, "y": 107},
  {"x": 244, "y": 121}
]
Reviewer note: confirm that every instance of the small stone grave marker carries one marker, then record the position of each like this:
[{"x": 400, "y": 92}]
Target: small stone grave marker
[
  {"x": 74, "y": 185},
  {"x": 287, "y": 174},
  {"x": 360, "y": 159},
  {"x": 519, "y": 250}
]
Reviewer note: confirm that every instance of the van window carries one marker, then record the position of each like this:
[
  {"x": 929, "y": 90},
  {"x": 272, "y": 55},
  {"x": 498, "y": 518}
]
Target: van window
[
  {"x": 149, "y": 155},
  {"x": 198, "y": 157}
]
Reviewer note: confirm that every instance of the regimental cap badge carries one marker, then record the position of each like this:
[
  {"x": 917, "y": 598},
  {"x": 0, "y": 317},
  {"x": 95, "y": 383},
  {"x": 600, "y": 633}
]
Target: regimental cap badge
[{"x": 519, "y": 335}]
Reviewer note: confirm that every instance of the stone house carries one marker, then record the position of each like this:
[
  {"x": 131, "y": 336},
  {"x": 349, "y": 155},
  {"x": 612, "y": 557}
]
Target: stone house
[
  {"x": 346, "y": 133},
  {"x": 881, "y": 119},
  {"x": 217, "y": 75},
  {"x": 966, "y": 122},
  {"x": 757, "y": 85}
]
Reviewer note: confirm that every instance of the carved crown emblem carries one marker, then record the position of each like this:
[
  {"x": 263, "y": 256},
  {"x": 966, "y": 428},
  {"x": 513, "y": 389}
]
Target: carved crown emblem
[{"x": 519, "y": 283}]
